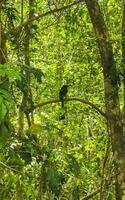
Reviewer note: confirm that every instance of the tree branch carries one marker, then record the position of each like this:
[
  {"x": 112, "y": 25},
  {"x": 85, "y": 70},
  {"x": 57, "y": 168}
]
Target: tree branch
[
  {"x": 46, "y": 14},
  {"x": 91, "y": 195},
  {"x": 8, "y": 167},
  {"x": 71, "y": 99}
]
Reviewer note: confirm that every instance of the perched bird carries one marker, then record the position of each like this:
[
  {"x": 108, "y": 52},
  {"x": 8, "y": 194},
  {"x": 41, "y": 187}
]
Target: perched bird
[{"x": 62, "y": 93}]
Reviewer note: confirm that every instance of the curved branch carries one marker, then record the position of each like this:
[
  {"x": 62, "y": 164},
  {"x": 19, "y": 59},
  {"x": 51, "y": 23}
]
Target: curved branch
[
  {"x": 46, "y": 14},
  {"x": 71, "y": 99}
]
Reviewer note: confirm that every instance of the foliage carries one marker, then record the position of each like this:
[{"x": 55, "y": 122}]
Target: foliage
[{"x": 55, "y": 159}]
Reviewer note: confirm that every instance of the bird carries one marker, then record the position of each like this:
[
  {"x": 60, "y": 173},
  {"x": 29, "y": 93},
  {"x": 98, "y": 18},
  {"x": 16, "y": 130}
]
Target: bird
[{"x": 62, "y": 93}]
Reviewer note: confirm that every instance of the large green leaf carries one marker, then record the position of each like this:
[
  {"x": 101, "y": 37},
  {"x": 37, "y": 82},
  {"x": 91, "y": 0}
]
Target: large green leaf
[{"x": 3, "y": 109}]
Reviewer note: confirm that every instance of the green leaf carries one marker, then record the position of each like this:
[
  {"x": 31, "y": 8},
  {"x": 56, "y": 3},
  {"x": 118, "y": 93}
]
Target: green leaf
[
  {"x": 6, "y": 94},
  {"x": 4, "y": 134},
  {"x": 3, "y": 109},
  {"x": 73, "y": 164},
  {"x": 54, "y": 179},
  {"x": 10, "y": 70}
]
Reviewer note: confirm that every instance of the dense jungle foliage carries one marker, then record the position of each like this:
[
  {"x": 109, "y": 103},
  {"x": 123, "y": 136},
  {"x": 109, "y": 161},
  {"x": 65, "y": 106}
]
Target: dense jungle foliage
[{"x": 48, "y": 151}]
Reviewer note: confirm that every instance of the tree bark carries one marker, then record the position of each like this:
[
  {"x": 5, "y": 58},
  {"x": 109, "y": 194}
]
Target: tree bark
[
  {"x": 3, "y": 52},
  {"x": 123, "y": 62},
  {"x": 111, "y": 89},
  {"x": 4, "y": 124}
]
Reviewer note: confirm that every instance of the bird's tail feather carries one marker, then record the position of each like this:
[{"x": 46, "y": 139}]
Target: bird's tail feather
[{"x": 62, "y": 103}]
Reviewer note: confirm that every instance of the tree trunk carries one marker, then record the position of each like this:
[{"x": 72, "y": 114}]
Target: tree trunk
[
  {"x": 3, "y": 53},
  {"x": 123, "y": 62},
  {"x": 4, "y": 124},
  {"x": 111, "y": 88}
]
